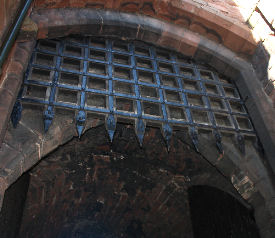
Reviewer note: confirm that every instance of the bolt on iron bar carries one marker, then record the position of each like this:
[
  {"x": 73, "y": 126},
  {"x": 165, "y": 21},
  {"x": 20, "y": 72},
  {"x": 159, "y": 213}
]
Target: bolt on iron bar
[{"x": 131, "y": 80}]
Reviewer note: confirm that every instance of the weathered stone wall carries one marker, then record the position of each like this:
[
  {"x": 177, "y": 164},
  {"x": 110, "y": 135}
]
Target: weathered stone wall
[
  {"x": 11, "y": 79},
  {"x": 26, "y": 145},
  {"x": 118, "y": 188},
  {"x": 222, "y": 21},
  {"x": 198, "y": 16},
  {"x": 15, "y": 65},
  {"x": 226, "y": 8},
  {"x": 202, "y": 34}
]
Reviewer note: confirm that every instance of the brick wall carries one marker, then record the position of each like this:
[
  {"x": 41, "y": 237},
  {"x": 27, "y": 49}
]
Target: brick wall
[
  {"x": 119, "y": 189},
  {"x": 225, "y": 22},
  {"x": 226, "y": 8},
  {"x": 225, "y": 30},
  {"x": 217, "y": 24}
]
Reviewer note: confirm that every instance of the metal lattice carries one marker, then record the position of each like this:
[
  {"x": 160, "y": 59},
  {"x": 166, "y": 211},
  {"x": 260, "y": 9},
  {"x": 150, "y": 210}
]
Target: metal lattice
[{"x": 131, "y": 80}]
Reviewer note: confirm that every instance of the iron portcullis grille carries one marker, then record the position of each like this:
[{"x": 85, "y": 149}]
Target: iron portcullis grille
[{"x": 131, "y": 80}]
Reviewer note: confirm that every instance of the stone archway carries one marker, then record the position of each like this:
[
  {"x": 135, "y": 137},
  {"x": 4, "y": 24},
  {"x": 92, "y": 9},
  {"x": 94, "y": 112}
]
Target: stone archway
[
  {"x": 21, "y": 152},
  {"x": 91, "y": 187}
]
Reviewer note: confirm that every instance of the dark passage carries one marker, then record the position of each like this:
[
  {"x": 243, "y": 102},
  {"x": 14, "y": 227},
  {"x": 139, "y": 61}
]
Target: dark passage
[
  {"x": 13, "y": 205},
  {"x": 91, "y": 188},
  {"x": 216, "y": 214}
]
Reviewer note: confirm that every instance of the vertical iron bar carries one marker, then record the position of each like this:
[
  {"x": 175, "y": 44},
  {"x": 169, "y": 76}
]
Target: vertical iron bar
[
  {"x": 166, "y": 128},
  {"x": 81, "y": 115},
  {"x": 139, "y": 123},
  {"x": 49, "y": 112},
  {"x": 138, "y": 114},
  {"x": 111, "y": 120},
  {"x": 192, "y": 129}
]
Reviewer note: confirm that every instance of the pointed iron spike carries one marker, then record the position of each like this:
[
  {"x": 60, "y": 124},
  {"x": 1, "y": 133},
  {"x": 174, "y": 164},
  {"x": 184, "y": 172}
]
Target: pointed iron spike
[
  {"x": 167, "y": 133},
  {"x": 140, "y": 130},
  {"x": 194, "y": 137},
  {"x": 218, "y": 139},
  {"x": 241, "y": 143},
  {"x": 16, "y": 113},
  {"x": 80, "y": 122},
  {"x": 111, "y": 126},
  {"x": 48, "y": 118}
]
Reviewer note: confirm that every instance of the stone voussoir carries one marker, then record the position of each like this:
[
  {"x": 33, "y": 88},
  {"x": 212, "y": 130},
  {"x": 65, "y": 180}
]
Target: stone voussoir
[{"x": 225, "y": 28}]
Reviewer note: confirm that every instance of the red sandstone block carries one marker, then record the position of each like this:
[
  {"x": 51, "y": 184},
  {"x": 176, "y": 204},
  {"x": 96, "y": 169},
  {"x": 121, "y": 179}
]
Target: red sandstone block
[
  {"x": 250, "y": 38},
  {"x": 213, "y": 22},
  {"x": 240, "y": 30},
  {"x": 6, "y": 103},
  {"x": 148, "y": 8},
  {"x": 236, "y": 37},
  {"x": 221, "y": 7},
  {"x": 183, "y": 21},
  {"x": 214, "y": 37},
  {"x": 15, "y": 67},
  {"x": 170, "y": 40},
  {"x": 98, "y": 4},
  {"x": 8, "y": 66},
  {"x": 165, "y": 11},
  {"x": 248, "y": 48},
  {"x": 21, "y": 56},
  {"x": 185, "y": 6},
  {"x": 128, "y": 6},
  {"x": 38, "y": 3},
  {"x": 56, "y": 4},
  {"x": 42, "y": 30},
  {"x": 28, "y": 46},
  {"x": 188, "y": 49},
  {"x": 189, "y": 43},
  {"x": 222, "y": 21},
  {"x": 116, "y": 4},
  {"x": 6, "y": 99},
  {"x": 12, "y": 83},
  {"x": 207, "y": 15},
  {"x": 77, "y": 3},
  {"x": 199, "y": 28},
  {"x": 234, "y": 42},
  {"x": 177, "y": 11},
  {"x": 61, "y": 22},
  {"x": 109, "y": 4}
]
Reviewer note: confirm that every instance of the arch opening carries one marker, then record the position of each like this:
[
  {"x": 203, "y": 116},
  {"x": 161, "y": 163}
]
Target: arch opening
[
  {"x": 91, "y": 187},
  {"x": 44, "y": 149},
  {"x": 215, "y": 213}
]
